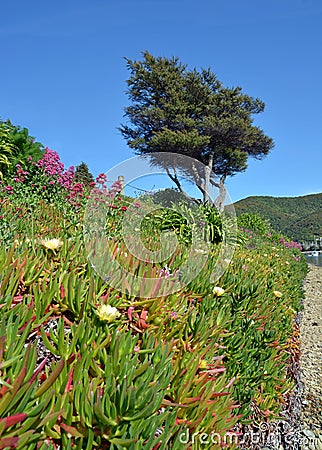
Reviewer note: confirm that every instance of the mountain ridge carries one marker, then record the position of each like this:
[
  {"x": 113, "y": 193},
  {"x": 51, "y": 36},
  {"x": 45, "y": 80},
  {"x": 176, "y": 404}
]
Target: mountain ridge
[{"x": 299, "y": 218}]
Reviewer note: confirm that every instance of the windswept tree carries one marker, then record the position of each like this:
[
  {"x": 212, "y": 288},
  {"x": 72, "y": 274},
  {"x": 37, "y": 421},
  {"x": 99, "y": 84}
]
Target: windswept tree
[{"x": 189, "y": 112}]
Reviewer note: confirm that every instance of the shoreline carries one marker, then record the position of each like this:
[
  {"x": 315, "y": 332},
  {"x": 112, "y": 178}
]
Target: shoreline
[{"x": 311, "y": 352}]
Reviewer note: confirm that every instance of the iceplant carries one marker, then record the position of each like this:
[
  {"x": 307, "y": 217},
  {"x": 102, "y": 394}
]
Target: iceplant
[
  {"x": 51, "y": 244},
  {"x": 107, "y": 313},
  {"x": 218, "y": 291}
]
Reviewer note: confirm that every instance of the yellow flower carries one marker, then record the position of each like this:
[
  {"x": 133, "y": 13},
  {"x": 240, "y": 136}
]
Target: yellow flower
[
  {"x": 51, "y": 244},
  {"x": 218, "y": 291},
  {"x": 203, "y": 364},
  {"x": 107, "y": 313},
  {"x": 277, "y": 294}
]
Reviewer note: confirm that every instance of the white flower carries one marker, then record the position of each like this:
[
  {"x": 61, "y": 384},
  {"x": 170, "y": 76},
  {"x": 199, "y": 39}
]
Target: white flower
[
  {"x": 107, "y": 313},
  {"x": 51, "y": 244},
  {"x": 218, "y": 291},
  {"x": 200, "y": 250},
  {"x": 277, "y": 294}
]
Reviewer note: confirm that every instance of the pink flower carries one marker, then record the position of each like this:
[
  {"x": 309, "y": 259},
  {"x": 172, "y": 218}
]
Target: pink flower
[
  {"x": 51, "y": 163},
  {"x": 116, "y": 187},
  {"x": 101, "y": 178}
]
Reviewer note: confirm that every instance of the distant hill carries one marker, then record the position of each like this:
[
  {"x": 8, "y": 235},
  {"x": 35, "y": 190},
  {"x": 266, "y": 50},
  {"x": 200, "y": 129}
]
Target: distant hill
[{"x": 296, "y": 217}]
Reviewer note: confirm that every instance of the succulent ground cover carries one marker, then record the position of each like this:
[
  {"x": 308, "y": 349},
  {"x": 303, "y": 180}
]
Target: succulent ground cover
[{"x": 85, "y": 366}]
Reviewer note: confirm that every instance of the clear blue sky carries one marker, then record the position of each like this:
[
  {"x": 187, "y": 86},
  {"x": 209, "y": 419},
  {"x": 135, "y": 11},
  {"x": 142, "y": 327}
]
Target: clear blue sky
[{"x": 63, "y": 75}]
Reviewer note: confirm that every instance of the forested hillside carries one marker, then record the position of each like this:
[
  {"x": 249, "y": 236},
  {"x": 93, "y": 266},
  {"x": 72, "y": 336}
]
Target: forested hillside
[{"x": 296, "y": 217}]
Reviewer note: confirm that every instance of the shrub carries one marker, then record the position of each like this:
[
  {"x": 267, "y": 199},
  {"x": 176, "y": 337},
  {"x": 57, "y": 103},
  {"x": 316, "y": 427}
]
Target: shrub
[{"x": 253, "y": 222}]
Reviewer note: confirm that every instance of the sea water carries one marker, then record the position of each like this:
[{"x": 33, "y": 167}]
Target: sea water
[{"x": 316, "y": 260}]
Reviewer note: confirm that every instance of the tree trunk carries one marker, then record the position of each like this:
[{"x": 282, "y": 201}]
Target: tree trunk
[
  {"x": 176, "y": 181},
  {"x": 220, "y": 200},
  {"x": 208, "y": 169}
]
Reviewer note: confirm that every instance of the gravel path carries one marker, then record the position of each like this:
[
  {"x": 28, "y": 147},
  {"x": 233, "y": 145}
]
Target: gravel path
[
  {"x": 311, "y": 359},
  {"x": 302, "y": 427}
]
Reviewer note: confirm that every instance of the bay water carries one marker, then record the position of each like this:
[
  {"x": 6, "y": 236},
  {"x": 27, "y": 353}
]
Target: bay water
[{"x": 316, "y": 260}]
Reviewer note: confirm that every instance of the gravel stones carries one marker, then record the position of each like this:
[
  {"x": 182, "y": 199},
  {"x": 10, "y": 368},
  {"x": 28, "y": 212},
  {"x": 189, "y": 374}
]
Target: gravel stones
[{"x": 311, "y": 346}]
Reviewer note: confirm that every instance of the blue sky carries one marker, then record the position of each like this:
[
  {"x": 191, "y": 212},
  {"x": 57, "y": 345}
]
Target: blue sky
[{"x": 63, "y": 75}]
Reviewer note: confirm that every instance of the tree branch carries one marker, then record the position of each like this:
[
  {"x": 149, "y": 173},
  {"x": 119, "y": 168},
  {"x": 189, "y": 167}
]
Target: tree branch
[{"x": 176, "y": 181}]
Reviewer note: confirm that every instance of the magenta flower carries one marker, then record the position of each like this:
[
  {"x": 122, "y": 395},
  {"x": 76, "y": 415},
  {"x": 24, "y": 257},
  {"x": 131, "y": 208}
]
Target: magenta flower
[
  {"x": 101, "y": 178},
  {"x": 116, "y": 187},
  {"x": 51, "y": 163}
]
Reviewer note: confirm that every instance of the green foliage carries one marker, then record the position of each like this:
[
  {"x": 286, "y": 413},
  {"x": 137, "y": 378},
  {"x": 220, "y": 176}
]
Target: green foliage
[
  {"x": 7, "y": 148},
  {"x": 162, "y": 365},
  {"x": 24, "y": 145},
  {"x": 265, "y": 291},
  {"x": 296, "y": 217},
  {"x": 254, "y": 222},
  {"x": 26, "y": 407},
  {"x": 213, "y": 223},
  {"x": 83, "y": 175},
  {"x": 191, "y": 113}
]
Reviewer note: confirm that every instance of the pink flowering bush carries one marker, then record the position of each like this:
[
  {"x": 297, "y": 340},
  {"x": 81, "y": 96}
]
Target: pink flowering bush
[
  {"x": 47, "y": 180},
  {"x": 290, "y": 244},
  {"x": 51, "y": 163}
]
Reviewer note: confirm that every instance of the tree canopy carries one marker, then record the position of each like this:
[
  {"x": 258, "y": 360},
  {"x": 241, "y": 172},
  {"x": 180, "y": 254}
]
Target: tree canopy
[
  {"x": 191, "y": 113},
  {"x": 7, "y": 148},
  {"x": 17, "y": 145},
  {"x": 82, "y": 174}
]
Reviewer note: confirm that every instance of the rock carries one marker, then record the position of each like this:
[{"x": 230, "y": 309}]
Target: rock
[
  {"x": 309, "y": 434},
  {"x": 310, "y": 360}
]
